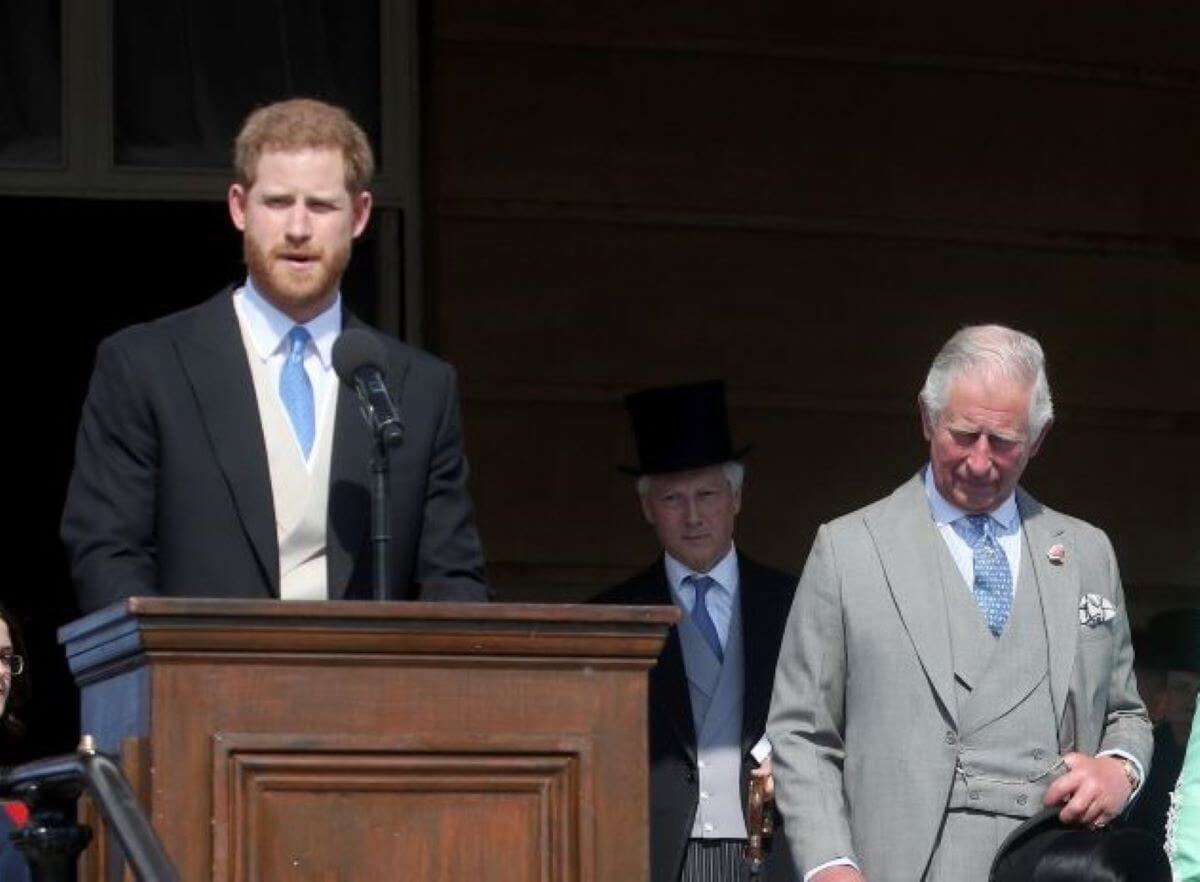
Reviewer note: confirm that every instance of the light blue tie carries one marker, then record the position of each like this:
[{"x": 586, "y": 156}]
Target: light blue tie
[
  {"x": 295, "y": 389},
  {"x": 701, "y": 618},
  {"x": 993, "y": 578}
]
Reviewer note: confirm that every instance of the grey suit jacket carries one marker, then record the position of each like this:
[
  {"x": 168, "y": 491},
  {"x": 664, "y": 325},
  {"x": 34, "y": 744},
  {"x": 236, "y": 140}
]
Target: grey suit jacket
[{"x": 863, "y": 712}]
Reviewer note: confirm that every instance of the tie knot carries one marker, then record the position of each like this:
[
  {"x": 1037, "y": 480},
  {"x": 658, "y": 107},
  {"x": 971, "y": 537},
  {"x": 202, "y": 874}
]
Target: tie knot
[
  {"x": 297, "y": 338},
  {"x": 974, "y": 528},
  {"x": 701, "y": 584}
]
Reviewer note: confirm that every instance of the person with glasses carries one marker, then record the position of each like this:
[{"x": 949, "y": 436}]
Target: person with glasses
[
  {"x": 13, "y": 687},
  {"x": 13, "y": 690}
]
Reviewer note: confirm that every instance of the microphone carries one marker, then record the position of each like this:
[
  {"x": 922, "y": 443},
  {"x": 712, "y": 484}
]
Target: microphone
[{"x": 358, "y": 359}]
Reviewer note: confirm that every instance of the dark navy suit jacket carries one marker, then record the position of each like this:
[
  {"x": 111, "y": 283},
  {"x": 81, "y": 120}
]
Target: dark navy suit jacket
[{"x": 171, "y": 492}]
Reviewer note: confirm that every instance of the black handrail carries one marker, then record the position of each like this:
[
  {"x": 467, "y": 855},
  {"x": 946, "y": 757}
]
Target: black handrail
[{"x": 52, "y": 840}]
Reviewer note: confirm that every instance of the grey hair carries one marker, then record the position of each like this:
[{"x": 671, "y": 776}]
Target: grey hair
[
  {"x": 995, "y": 350},
  {"x": 734, "y": 471}
]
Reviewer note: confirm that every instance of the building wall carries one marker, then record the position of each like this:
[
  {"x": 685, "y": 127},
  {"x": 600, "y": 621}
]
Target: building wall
[{"x": 806, "y": 200}]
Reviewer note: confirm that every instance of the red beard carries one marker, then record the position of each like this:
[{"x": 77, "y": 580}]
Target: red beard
[{"x": 298, "y": 290}]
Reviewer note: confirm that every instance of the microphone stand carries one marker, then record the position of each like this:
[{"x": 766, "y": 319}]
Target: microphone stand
[{"x": 387, "y": 436}]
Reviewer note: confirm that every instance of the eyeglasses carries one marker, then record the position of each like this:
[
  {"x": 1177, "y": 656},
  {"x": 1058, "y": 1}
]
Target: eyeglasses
[{"x": 15, "y": 663}]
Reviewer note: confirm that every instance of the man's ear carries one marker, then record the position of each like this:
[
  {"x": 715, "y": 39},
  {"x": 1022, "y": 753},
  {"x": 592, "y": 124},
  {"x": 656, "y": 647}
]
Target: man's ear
[
  {"x": 361, "y": 206},
  {"x": 644, "y": 501},
  {"x": 1037, "y": 442},
  {"x": 236, "y": 200},
  {"x": 926, "y": 419}
]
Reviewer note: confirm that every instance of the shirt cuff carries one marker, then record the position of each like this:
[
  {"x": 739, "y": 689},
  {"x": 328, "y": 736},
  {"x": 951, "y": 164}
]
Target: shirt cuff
[
  {"x": 836, "y": 862},
  {"x": 1141, "y": 773},
  {"x": 761, "y": 750}
]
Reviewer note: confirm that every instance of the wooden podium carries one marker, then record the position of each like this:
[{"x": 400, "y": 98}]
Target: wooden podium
[{"x": 356, "y": 741}]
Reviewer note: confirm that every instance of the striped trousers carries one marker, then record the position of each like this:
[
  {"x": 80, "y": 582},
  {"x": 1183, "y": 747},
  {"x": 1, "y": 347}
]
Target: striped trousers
[{"x": 714, "y": 860}]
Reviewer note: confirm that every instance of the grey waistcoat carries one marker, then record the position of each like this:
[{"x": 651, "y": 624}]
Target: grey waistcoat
[
  {"x": 716, "y": 693},
  {"x": 1007, "y": 733}
]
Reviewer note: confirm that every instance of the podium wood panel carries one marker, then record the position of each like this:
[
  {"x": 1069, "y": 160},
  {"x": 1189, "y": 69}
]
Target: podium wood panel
[{"x": 347, "y": 741}]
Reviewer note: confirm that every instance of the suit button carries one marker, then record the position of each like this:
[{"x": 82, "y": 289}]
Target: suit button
[
  {"x": 1038, "y": 754},
  {"x": 1022, "y": 799},
  {"x": 690, "y": 777},
  {"x": 950, "y": 739},
  {"x": 974, "y": 794}
]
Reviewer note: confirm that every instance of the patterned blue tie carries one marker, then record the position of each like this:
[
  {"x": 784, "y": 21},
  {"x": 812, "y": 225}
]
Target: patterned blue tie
[
  {"x": 701, "y": 618},
  {"x": 993, "y": 578},
  {"x": 295, "y": 389}
]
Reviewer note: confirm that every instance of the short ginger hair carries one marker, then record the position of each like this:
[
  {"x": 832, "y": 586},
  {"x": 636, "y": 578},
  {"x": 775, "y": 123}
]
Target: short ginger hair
[{"x": 298, "y": 124}]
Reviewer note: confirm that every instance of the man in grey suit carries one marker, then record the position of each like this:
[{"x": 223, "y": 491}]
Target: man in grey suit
[{"x": 957, "y": 653}]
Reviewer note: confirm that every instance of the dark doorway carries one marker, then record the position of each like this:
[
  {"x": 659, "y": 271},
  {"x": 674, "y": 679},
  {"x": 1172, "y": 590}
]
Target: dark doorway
[{"x": 82, "y": 270}]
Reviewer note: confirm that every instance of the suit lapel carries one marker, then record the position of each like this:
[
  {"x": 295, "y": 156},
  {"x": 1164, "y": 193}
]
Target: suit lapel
[
  {"x": 668, "y": 679},
  {"x": 349, "y": 508},
  {"x": 758, "y": 606},
  {"x": 676, "y": 702},
  {"x": 1058, "y": 588},
  {"x": 214, "y": 359},
  {"x": 905, "y": 537},
  {"x": 349, "y": 511}
]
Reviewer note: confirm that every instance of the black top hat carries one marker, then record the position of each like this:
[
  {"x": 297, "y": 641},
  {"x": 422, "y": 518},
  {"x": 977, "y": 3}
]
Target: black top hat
[
  {"x": 1044, "y": 849},
  {"x": 679, "y": 428}
]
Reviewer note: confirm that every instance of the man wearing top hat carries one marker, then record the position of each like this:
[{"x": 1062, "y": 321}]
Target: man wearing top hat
[{"x": 710, "y": 691}]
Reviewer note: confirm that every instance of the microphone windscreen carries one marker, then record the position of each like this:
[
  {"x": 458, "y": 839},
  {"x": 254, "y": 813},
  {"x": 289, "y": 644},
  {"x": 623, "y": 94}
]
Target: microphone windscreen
[{"x": 355, "y": 349}]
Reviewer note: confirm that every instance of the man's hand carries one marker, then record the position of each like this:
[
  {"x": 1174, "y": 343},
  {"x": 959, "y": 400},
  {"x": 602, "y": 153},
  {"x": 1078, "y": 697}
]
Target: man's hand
[
  {"x": 1092, "y": 792},
  {"x": 763, "y": 773},
  {"x": 840, "y": 873}
]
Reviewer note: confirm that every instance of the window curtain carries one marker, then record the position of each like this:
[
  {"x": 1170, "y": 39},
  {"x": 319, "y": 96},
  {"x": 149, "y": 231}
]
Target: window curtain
[
  {"x": 30, "y": 83},
  {"x": 186, "y": 72}
]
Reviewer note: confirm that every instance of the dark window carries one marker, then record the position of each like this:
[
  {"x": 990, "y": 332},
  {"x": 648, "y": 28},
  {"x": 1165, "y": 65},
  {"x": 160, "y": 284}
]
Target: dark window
[
  {"x": 188, "y": 71},
  {"x": 31, "y": 83}
]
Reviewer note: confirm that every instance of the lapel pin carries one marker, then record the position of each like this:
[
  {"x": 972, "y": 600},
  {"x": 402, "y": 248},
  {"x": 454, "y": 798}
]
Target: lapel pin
[{"x": 1056, "y": 555}]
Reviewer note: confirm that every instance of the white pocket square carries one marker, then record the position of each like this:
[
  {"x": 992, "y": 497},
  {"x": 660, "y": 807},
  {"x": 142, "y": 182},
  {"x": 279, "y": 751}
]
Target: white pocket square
[{"x": 1095, "y": 609}]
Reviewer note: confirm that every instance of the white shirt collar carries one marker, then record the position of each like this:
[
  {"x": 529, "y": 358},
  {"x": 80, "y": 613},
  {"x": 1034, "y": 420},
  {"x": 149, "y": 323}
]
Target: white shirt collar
[
  {"x": 946, "y": 512},
  {"x": 267, "y": 325},
  {"x": 725, "y": 572}
]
